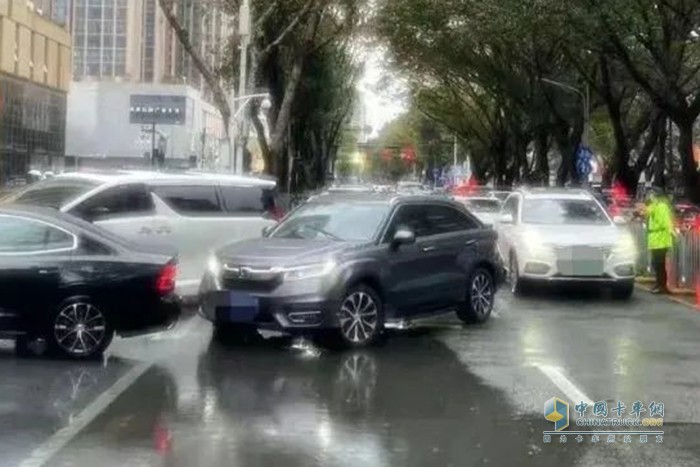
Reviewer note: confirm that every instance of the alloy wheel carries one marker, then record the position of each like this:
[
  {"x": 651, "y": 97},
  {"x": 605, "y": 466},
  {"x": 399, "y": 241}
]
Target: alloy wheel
[
  {"x": 80, "y": 329},
  {"x": 359, "y": 316},
  {"x": 481, "y": 293}
]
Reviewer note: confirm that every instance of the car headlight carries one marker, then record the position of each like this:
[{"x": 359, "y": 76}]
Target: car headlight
[
  {"x": 214, "y": 265},
  {"x": 534, "y": 246},
  {"x": 626, "y": 247},
  {"x": 309, "y": 271}
]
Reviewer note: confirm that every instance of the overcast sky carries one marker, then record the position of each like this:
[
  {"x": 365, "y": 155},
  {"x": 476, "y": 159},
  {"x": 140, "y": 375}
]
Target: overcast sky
[{"x": 379, "y": 92}]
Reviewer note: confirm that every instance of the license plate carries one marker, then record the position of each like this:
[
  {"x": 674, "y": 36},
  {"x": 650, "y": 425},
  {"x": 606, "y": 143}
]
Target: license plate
[
  {"x": 242, "y": 307},
  {"x": 581, "y": 261}
]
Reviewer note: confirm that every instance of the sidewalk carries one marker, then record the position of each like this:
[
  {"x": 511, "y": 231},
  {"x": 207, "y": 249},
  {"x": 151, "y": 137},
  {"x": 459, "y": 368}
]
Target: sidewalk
[{"x": 682, "y": 296}]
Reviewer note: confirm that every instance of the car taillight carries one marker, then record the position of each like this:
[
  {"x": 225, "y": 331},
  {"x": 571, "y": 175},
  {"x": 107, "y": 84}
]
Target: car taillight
[{"x": 165, "y": 283}]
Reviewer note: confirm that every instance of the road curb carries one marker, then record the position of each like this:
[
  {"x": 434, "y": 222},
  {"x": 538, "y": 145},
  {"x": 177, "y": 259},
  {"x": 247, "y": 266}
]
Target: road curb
[{"x": 672, "y": 298}]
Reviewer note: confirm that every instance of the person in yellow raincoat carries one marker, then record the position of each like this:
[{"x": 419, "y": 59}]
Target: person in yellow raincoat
[{"x": 660, "y": 234}]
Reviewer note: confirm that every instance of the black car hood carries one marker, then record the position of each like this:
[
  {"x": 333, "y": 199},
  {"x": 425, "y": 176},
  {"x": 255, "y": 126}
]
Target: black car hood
[{"x": 281, "y": 251}]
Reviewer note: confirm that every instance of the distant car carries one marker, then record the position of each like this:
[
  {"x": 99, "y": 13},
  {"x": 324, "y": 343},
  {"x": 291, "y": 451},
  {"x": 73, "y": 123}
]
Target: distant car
[
  {"x": 411, "y": 187},
  {"x": 564, "y": 235},
  {"x": 486, "y": 210},
  {"x": 75, "y": 285},
  {"x": 195, "y": 213},
  {"x": 348, "y": 264},
  {"x": 350, "y": 189},
  {"x": 687, "y": 215}
]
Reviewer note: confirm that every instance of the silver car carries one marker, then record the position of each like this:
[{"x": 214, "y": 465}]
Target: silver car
[
  {"x": 556, "y": 235},
  {"x": 195, "y": 213}
]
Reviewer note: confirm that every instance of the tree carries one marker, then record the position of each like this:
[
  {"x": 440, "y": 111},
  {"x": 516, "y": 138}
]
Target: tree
[{"x": 285, "y": 34}]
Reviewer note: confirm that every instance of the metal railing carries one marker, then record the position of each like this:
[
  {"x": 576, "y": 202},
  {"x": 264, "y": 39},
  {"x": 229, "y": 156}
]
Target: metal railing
[{"x": 683, "y": 261}]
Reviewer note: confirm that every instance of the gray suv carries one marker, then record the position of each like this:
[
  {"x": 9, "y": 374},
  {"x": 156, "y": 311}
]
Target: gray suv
[{"x": 346, "y": 264}]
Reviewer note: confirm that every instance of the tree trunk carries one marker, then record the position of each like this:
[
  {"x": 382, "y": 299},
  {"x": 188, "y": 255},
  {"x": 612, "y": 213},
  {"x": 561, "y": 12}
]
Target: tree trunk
[
  {"x": 279, "y": 133},
  {"x": 660, "y": 158},
  {"x": 690, "y": 169},
  {"x": 541, "y": 173}
]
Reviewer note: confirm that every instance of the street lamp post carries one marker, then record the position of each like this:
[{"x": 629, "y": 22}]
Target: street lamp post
[
  {"x": 585, "y": 100},
  {"x": 236, "y": 153}
]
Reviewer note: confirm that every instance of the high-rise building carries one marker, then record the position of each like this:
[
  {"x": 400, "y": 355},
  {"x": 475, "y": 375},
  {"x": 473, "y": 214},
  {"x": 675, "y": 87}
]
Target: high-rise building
[
  {"x": 127, "y": 47},
  {"x": 35, "y": 71}
]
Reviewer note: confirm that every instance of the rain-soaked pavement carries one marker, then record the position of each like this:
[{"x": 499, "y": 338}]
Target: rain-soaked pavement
[{"x": 437, "y": 395}]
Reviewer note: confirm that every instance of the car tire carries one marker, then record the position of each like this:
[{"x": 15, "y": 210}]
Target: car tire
[
  {"x": 481, "y": 290},
  {"x": 623, "y": 291},
  {"x": 360, "y": 318},
  {"x": 233, "y": 333},
  {"x": 517, "y": 285},
  {"x": 79, "y": 329}
]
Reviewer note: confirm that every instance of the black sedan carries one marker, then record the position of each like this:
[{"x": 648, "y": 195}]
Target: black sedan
[
  {"x": 74, "y": 285},
  {"x": 346, "y": 264}
]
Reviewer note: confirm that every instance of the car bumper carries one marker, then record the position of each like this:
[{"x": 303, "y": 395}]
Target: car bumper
[
  {"x": 537, "y": 269},
  {"x": 159, "y": 316},
  {"x": 303, "y": 307}
]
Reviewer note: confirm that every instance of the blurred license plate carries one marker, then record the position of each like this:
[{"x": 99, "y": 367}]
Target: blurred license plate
[
  {"x": 242, "y": 307},
  {"x": 581, "y": 261}
]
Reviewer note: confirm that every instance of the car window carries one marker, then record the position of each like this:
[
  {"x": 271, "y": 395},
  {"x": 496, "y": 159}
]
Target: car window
[
  {"x": 195, "y": 200},
  {"x": 119, "y": 201},
  {"x": 22, "y": 235},
  {"x": 337, "y": 221},
  {"x": 54, "y": 193},
  {"x": 563, "y": 212},
  {"x": 483, "y": 205},
  {"x": 446, "y": 219},
  {"x": 411, "y": 216},
  {"x": 248, "y": 199}
]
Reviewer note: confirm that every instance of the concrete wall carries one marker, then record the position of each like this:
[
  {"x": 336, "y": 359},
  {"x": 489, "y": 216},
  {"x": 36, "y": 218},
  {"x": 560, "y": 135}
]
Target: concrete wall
[
  {"x": 98, "y": 122},
  {"x": 43, "y": 48}
]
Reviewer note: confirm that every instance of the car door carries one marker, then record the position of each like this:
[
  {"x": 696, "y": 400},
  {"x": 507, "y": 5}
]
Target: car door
[
  {"x": 452, "y": 248},
  {"x": 33, "y": 256},
  {"x": 409, "y": 278},
  {"x": 506, "y": 230},
  {"x": 197, "y": 223}
]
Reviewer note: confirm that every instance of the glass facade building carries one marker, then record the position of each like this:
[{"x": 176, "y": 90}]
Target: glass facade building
[
  {"x": 99, "y": 38},
  {"x": 32, "y": 127}
]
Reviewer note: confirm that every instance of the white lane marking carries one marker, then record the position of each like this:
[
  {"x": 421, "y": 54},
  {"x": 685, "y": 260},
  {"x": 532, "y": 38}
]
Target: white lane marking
[
  {"x": 556, "y": 376},
  {"x": 43, "y": 454}
]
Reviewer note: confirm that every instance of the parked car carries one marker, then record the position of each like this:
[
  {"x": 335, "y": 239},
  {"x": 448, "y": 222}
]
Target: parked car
[
  {"x": 74, "y": 285},
  {"x": 348, "y": 264},
  {"x": 564, "y": 235},
  {"x": 486, "y": 209},
  {"x": 195, "y": 213}
]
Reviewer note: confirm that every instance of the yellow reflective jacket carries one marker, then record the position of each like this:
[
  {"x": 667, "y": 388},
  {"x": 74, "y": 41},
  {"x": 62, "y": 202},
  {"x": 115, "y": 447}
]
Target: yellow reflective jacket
[{"x": 660, "y": 226}]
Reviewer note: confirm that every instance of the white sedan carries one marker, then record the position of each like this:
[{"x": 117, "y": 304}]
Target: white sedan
[
  {"x": 556, "y": 235},
  {"x": 486, "y": 209}
]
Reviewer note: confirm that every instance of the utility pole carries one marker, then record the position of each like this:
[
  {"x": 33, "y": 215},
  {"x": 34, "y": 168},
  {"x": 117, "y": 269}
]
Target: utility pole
[{"x": 238, "y": 151}]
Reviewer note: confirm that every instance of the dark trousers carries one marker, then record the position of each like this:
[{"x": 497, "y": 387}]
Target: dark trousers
[{"x": 658, "y": 262}]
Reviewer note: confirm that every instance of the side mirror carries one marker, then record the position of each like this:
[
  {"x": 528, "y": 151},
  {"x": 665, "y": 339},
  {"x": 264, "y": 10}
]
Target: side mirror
[
  {"x": 403, "y": 237},
  {"x": 505, "y": 219},
  {"x": 267, "y": 230},
  {"x": 619, "y": 220}
]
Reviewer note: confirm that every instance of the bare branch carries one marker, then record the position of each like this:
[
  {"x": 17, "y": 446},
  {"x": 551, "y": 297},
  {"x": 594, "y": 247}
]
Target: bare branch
[
  {"x": 209, "y": 76},
  {"x": 290, "y": 27},
  {"x": 265, "y": 16}
]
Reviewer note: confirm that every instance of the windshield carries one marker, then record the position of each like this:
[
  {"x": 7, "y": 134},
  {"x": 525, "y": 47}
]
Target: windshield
[
  {"x": 483, "y": 205},
  {"x": 563, "y": 212},
  {"x": 54, "y": 193},
  {"x": 335, "y": 221}
]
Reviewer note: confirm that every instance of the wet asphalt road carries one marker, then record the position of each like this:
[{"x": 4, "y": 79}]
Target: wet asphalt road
[{"x": 439, "y": 394}]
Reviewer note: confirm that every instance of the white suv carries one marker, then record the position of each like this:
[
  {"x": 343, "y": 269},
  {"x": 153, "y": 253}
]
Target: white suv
[
  {"x": 194, "y": 213},
  {"x": 564, "y": 235}
]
